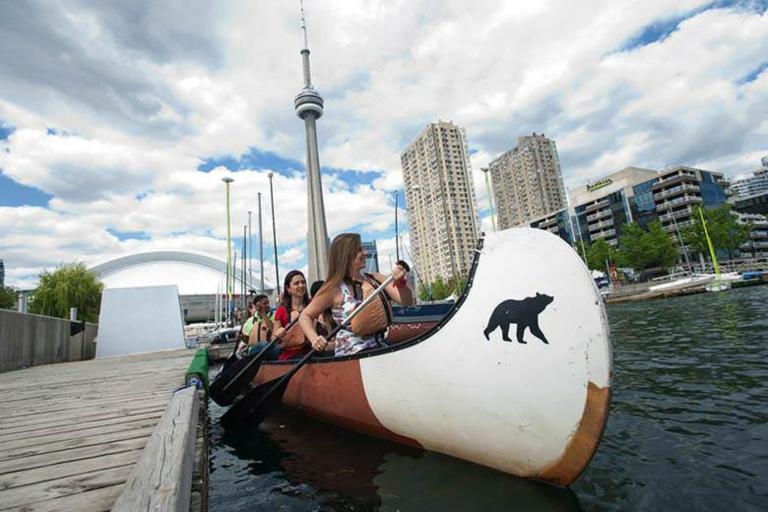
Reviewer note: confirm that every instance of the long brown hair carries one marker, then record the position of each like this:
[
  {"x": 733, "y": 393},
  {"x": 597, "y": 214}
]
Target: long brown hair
[
  {"x": 344, "y": 249},
  {"x": 285, "y": 300}
]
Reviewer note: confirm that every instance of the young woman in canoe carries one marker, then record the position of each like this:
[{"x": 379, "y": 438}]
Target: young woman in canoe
[
  {"x": 347, "y": 260},
  {"x": 292, "y": 303}
]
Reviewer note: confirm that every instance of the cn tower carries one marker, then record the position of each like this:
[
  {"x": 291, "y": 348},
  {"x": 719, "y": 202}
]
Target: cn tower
[{"x": 309, "y": 107}]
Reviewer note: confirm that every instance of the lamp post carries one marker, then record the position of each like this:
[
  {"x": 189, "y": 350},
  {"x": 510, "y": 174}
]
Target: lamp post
[
  {"x": 490, "y": 197},
  {"x": 250, "y": 255},
  {"x": 274, "y": 231},
  {"x": 261, "y": 246},
  {"x": 227, "y": 180},
  {"x": 397, "y": 234},
  {"x": 426, "y": 269}
]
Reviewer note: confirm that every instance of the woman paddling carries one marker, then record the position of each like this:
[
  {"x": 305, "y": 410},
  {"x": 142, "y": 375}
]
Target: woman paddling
[
  {"x": 292, "y": 303},
  {"x": 341, "y": 293}
]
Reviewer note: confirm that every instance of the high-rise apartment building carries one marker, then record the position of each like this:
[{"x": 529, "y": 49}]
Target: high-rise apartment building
[
  {"x": 527, "y": 181},
  {"x": 440, "y": 199}
]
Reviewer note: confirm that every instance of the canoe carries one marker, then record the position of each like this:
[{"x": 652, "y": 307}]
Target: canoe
[{"x": 534, "y": 406}]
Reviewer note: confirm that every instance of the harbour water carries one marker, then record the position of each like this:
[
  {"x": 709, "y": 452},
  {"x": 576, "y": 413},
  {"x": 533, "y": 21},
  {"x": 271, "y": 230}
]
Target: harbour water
[{"x": 688, "y": 430}]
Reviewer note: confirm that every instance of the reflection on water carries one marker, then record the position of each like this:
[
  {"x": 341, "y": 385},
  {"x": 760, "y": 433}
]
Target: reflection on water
[
  {"x": 301, "y": 464},
  {"x": 688, "y": 430}
]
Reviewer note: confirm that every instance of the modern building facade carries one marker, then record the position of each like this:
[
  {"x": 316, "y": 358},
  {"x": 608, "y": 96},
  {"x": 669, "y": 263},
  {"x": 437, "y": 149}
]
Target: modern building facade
[
  {"x": 757, "y": 245},
  {"x": 755, "y": 185},
  {"x": 440, "y": 199},
  {"x": 557, "y": 223},
  {"x": 527, "y": 181},
  {"x": 602, "y": 208},
  {"x": 678, "y": 192}
]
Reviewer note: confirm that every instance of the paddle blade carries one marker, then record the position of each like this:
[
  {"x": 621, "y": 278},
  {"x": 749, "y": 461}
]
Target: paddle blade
[
  {"x": 255, "y": 405},
  {"x": 234, "y": 379}
]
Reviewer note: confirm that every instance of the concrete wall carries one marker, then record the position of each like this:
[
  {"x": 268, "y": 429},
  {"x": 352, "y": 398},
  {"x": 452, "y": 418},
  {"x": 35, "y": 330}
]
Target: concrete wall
[{"x": 30, "y": 340}]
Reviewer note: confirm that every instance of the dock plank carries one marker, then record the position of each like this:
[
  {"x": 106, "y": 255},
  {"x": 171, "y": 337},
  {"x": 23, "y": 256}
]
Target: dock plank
[
  {"x": 65, "y": 469},
  {"x": 61, "y": 487},
  {"x": 32, "y": 429},
  {"x": 72, "y": 433},
  {"x": 99, "y": 500}
]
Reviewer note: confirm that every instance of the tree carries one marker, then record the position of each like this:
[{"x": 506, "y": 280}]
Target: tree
[
  {"x": 441, "y": 289},
  {"x": 581, "y": 248},
  {"x": 71, "y": 285},
  {"x": 641, "y": 249},
  {"x": 8, "y": 297},
  {"x": 665, "y": 254},
  {"x": 723, "y": 227},
  {"x": 598, "y": 253}
]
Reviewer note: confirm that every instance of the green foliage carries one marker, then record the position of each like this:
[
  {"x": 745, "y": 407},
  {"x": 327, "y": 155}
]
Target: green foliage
[
  {"x": 7, "y": 297},
  {"x": 441, "y": 289},
  {"x": 71, "y": 285},
  {"x": 599, "y": 253},
  {"x": 642, "y": 249},
  {"x": 724, "y": 230}
]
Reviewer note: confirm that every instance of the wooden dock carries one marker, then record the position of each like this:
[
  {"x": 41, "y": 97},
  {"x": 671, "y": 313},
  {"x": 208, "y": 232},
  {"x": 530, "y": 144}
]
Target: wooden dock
[{"x": 71, "y": 434}]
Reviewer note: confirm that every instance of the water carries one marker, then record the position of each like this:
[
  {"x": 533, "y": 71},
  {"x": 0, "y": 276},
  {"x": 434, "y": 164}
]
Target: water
[{"x": 688, "y": 430}]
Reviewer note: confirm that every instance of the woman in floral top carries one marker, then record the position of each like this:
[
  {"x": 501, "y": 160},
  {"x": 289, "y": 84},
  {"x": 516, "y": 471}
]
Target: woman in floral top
[{"x": 347, "y": 260}]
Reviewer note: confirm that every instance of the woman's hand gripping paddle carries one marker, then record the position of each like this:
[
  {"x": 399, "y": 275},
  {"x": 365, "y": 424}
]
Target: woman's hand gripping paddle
[
  {"x": 261, "y": 400},
  {"x": 235, "y": 378}
]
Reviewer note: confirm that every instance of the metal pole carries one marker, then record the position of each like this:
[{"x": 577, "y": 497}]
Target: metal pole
[
  {"x": 244, "y": 282},
  {"x": 680, "y": 240},
  {"x": 274, "y": 231},
  {"x": 250, "y": 254},
  {"x": 261, "y": 245},
  {"x": 397, "y": 233},
  {"x": 227, "y": 180},
  {"x": 490, "y": 197}
]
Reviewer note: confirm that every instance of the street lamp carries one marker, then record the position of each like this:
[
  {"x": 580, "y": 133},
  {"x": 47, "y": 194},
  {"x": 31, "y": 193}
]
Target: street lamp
[
  {"x": 490, "y": 197},
  {"x": 274, "y": 231},
  {"x": 227, "y": 180},
  {"x": 261, "y": 246},
  {"x": 397, "y": 235},
  {"x": 250, "y": 255}
]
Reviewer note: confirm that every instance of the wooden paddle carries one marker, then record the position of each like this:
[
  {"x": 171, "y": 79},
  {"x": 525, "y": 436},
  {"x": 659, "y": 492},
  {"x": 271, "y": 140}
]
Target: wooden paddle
[
  {"x": 261, "y": 400},
  {"x": 235, "y": 378}
]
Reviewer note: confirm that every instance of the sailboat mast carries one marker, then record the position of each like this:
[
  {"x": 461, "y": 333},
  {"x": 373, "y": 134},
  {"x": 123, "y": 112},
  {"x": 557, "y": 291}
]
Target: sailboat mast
[{"x": 709, "y": 243}]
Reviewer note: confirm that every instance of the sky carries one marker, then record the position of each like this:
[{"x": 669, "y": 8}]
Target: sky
[{"x": 118, "y": 120}]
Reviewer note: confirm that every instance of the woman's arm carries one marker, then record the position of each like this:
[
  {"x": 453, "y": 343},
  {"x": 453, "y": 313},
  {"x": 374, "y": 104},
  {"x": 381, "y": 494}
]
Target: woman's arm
[
  {"x": 281, "y": 320},
  {"x": 401, "y": 294},
  {"x": 254, "y": 336},
  {"x": 307, "y": 319}
]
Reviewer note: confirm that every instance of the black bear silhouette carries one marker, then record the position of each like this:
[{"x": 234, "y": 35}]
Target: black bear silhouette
[{"x": 524, "y": 313}]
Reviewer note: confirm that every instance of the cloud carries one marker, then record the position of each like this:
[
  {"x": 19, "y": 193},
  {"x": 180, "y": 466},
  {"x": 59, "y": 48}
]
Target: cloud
[{"x": 110, "y": 109}]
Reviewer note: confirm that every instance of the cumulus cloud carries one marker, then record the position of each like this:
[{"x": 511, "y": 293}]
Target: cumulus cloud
[{"x": 116, "y": 105}]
